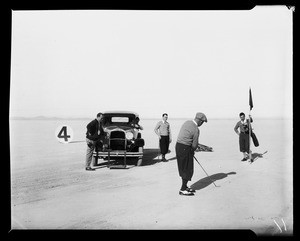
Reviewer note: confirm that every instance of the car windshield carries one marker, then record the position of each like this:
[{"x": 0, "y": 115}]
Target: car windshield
[{"x": 118, "y": 119}]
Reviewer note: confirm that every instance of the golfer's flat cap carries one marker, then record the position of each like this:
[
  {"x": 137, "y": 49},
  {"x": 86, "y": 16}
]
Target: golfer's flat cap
[{"x": 201, "y": 116}]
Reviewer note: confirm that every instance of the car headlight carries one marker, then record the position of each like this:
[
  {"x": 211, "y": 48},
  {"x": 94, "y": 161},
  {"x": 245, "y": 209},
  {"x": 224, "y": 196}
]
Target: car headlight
[{"x": 129, "y": 135}]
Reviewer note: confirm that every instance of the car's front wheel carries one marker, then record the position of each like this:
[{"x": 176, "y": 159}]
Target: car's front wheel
[{"x": 140, "y": 159}]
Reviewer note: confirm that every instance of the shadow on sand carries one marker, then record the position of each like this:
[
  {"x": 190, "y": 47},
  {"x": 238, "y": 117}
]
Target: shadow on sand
[
  {"x": 204, "y": 182},
  {"x": 255, "y": 156},
  {"x": 173, "y": 158},
  {"x": 76, "y": 141},
  {"x": 151, "y": 156}
]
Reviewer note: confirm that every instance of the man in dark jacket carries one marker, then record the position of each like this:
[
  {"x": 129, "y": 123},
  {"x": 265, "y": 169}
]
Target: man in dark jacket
[
  {"x": 93, "y": 134},
  {"x": 187, "y": 143}
]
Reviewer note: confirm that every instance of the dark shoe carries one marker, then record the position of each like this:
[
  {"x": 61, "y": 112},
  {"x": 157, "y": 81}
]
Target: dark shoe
[
  {"x": 89, "y": 169},
  {"x": 244, "y": 159},
  {"x": 185, "y": 193},
  {"x": 191, "y": 190}
]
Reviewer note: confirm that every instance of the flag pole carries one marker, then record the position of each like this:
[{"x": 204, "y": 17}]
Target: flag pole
[
  {"x": 251, "y": 105},
  {"x": 250, "y": 152}
]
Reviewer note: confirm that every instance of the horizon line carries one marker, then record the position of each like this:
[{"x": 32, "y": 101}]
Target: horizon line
[{"x": 146, "y": 118}]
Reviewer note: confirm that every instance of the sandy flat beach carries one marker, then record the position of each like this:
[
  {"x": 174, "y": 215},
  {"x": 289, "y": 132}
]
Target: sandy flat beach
[
  {"x": 66, "y": 66},
  {"x": 51, "y": 190}
]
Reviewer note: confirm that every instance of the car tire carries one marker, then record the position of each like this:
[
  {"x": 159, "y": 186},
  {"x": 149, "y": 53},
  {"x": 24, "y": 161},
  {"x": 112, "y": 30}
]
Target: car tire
[{"x": 140, "y": 159}]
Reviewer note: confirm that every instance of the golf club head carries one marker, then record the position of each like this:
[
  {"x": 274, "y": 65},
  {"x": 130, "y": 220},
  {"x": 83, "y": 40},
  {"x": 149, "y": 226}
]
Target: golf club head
[{"x": 204, "y": 148}]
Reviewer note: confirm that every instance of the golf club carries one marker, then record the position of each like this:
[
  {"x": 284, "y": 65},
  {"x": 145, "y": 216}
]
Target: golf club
[{"x": 206, "y": 172}]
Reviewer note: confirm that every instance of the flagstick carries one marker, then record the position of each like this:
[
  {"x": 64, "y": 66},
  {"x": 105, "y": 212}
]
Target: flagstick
[
  {"x": 251, "y": 105},
  {"x": 250, "y": 153}
]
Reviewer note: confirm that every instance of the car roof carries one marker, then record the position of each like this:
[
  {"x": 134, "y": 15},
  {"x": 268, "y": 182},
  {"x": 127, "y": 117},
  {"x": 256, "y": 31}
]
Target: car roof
[{"x": 121, "y": 112}]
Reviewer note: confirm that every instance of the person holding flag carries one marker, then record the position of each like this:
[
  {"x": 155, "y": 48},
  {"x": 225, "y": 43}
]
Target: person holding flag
[
  {"x": 245, "y": 132},
  {"x": 242, "y": 130}
]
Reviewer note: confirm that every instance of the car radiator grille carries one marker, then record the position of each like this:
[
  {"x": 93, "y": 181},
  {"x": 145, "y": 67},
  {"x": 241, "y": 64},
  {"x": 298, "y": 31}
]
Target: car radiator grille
[{"x": 117, "y": 140}]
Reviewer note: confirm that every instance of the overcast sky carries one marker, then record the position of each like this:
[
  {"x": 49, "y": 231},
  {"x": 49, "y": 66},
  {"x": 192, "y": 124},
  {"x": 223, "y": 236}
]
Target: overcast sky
[{"x": 78, "y": 63}]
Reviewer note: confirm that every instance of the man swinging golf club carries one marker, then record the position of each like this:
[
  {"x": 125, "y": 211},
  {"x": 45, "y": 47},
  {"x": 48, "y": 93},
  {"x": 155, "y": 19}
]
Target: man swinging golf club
[{"x": 187, "y": 143}]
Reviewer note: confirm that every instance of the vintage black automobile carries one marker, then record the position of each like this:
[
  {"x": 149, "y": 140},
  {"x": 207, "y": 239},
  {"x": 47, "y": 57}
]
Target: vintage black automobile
[{"x": 123, "y": 141}]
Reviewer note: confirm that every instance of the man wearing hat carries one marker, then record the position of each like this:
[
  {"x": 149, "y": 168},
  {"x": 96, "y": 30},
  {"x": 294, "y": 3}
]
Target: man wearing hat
[{"x": 187, "y": 143}]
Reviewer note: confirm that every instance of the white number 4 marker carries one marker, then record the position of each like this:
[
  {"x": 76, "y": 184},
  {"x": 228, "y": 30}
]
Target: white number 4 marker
[{"x": 64, "y": 134}]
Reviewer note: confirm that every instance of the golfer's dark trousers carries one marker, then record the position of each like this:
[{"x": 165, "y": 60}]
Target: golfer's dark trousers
[
  {"x": 164, "y": 143},
  {"x": 244, "y": 142},
  {"x": 185, "y": 162}
]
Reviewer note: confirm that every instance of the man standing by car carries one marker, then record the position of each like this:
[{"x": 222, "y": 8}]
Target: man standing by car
[
  {"x": 163, "y": 130},
  {"x": 93, "y": 134},
  {"x": 187, "y": 143}
]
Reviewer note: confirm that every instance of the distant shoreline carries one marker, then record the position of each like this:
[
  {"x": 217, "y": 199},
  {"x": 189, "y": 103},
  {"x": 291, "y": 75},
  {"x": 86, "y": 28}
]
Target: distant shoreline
[
  {"x": 89, "y": 118},
  {"x": 47, "y": 118}
]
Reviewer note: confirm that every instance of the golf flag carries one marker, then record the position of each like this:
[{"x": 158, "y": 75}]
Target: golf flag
[{"x": 250, "y": 99}]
